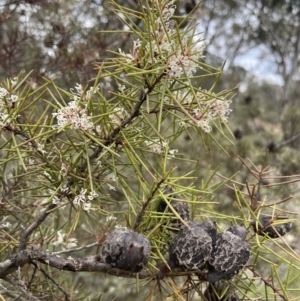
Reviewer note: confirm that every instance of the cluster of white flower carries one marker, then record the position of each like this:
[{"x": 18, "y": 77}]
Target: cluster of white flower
[
  {"x": 64, "y": 169},
  {"x": 6, "y": 99},
  {"x": 219, "y": 108},
  {"x": 168, "y": 10},
  {"x": 111, "y": 178},
  {"x": 134, "y": 55},
  {"x": 10, "y": 98},
  {"x": 121, "y": 88},
  {"x": 55, "y": 200},
  {"x": 4, "y": 224},
  {"x": 65, "y": 188},
  {"x": 184, "y": 61},
  {"x": 14, "y": 81},
  {"x": 78, "y": 93},
  {"x": 118, "y": 115},
  {"x": 209, "y": 110},
  {"x": 205, "y": 106},
  {"x": 156, "y": 145},
  {"x": 71, "y": 242},
  {"x": 110, "y": 218},
  {"x": 41, "y": 148},
  {"x": 162, "y": 30},
  {"x": 74, "y": 115},
  {"x": 3, "y": 92},
  {"x": 84, "y": 200},
  {"x": 177, "y": 59},
  {"x": 172, "y": 153},
  {"x": 183, "y": 58},
  {"x": 47, "y": 175},
  {"x": 5, "y": 120}
]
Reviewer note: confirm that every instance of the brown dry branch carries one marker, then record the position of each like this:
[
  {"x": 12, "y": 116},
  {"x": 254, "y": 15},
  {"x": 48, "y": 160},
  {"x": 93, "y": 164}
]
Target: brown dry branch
[
  {"x": 87, "y": 264},
  {"x": 269, "y": 284}
]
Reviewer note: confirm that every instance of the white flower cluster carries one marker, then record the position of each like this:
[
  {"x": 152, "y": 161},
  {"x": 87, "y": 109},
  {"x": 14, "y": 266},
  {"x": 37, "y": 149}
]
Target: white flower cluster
[
  {"x": 78, "y": 93},
  {"x": 14, "y": 81},
  {"x": 157, "y": 146},
  {"x": 5, "y": 120},
  {"x": 55, "y": 200},
  {"x": 63, "y": 169},
  {"x": 41, "y": 148},
  {"x": 6, "y": 99},
  {"x": 184, "y": 62},
  {"x": 211, "y": 109},
  {"x": 4, "y": 224},
  {"x": 111, "y": 178},
  {"x": 10, "y": 98},
  {"x": 204, "y": 107},
  {"x": 84, "y": 200},
  {"x": 71, "y": 242},
  {"x": 74, "y": 115},
  {"x": 118, "y": 115},
  {"x": 133, "y": 56},
  {"x": 179, "y": 59},
  {"x": 162, "y": 30},
  {"x": 111, "y": 218}
]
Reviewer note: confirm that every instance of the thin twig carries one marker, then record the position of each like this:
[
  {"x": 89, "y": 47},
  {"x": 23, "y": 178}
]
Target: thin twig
[
  {"x": 33, "y": 275},
  {"x": 29, "y": 296},
  {"x": 67, "y": 297},
  {"x": 28, "y": 231},
  {"x": 94, "y": 244},
  {"x": 279, "y": 202},
  {"x": 268, "y": 283},
  {"x": 128, "y": 120},
  {"x": 145, "y": 205}
]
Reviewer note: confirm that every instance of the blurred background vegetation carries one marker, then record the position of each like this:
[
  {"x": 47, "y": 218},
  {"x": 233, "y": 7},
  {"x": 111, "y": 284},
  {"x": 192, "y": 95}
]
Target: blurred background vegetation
[{"x": 258, "y": 39}]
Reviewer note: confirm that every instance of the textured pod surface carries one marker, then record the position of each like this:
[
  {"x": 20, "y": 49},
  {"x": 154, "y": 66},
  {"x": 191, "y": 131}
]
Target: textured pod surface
[
  {"x": 191, "y": 247},
  {"x": 214, "y": 292},
  {"x": 182, "y": 208},
  {"x": 229, "y": 255},
  {"x": 274, "y": 231},
  {"x": 126, "y": 249}
]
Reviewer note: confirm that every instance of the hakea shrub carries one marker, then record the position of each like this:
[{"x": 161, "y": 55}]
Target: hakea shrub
[{"x": 79, "y": 164}]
